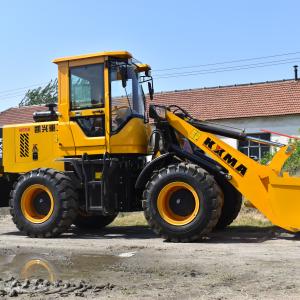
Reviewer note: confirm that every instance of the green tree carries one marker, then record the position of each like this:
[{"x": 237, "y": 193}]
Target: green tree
[
  {"x": 41, "y": 95},
  {"x": 292, "y": 165}
]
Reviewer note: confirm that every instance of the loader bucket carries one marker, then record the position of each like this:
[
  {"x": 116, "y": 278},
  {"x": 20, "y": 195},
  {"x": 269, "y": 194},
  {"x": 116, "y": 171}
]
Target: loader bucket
[{"x": 284, "y": 200}]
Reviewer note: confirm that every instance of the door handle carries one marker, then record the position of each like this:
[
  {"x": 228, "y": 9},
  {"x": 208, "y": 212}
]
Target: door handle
[{"x": 100, "y": 111}]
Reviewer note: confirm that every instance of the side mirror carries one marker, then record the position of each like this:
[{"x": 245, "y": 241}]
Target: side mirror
[
  {"x": 151, "y": 90},
  {"x": 124, "y": 75}
]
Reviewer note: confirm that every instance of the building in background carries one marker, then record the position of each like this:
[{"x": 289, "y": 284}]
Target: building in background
[{"x": 273, "y": 106}]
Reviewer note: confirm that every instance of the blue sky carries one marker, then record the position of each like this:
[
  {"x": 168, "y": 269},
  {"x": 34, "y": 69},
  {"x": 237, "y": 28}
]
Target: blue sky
[{"x": 165, "y": 34}]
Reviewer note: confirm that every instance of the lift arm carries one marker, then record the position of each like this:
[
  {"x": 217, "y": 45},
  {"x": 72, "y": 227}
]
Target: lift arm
[{"x": 249, "y": 177}]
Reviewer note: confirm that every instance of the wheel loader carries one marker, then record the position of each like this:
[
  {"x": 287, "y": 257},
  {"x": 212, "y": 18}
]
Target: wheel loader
[{"x": 87, "y": 159}]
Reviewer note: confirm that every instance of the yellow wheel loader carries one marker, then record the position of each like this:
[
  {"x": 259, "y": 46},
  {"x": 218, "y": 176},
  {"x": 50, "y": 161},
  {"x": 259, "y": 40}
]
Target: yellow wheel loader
[{"x": 86, "y": 160}]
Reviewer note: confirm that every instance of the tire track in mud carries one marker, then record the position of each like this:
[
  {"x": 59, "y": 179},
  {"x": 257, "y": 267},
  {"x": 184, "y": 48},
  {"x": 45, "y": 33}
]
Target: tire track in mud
[{"x": 13, "y": 287}]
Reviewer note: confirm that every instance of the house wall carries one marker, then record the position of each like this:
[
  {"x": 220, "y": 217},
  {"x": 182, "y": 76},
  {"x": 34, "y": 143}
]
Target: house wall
[{"x": 283, "y": 124}]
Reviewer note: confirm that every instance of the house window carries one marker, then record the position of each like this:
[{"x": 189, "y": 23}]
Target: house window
[{"x": 255, "y": 150}]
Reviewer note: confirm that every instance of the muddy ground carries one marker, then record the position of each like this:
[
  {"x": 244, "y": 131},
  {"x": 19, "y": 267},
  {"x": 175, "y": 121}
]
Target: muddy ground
[{"x": 131, "y": 262}]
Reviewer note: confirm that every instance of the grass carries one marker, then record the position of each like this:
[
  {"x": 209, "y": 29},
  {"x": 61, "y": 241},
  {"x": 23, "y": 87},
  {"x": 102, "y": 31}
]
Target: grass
[
  {"x": 247, "y": 217},
  {"x": 251, "y": 217},
  {"x": 130, "y": 219}
]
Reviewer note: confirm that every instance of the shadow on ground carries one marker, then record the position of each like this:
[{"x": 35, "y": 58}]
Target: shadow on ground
[
  {"x": 233, "y": 234},
  {"x": 249, "y": 234}
]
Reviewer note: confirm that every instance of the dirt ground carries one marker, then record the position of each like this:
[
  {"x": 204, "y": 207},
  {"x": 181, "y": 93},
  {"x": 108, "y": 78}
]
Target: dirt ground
[{"x": 131, "y": 262}]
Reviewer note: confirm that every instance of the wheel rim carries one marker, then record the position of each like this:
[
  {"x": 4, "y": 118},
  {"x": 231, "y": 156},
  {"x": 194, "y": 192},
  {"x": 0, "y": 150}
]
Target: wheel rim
[
  {"x": 178, "y": 203},
  {"x": 37, "y": 203}
]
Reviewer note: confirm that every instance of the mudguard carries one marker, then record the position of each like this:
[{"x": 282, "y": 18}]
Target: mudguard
[{"x": 156, "y": 164}]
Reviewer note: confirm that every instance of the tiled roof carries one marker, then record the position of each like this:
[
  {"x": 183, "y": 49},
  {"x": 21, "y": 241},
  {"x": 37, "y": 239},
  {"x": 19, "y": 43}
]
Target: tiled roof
[
  {"x": 226, "y": 102},
  {"x": 237, "y": 101},
  {"x": 17, "y": 115}
]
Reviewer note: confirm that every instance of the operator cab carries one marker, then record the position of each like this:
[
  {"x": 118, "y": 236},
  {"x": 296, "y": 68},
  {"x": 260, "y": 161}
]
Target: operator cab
[{"x": 101, "y": 97}]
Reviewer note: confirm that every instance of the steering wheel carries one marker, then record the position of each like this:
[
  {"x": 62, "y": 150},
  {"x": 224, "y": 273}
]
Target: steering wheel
[
  {"x": 116, "y": 109},
  {"x": 119, "y": 115}
]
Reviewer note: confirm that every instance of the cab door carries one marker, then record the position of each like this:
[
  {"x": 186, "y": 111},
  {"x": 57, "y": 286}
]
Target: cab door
[{"x": 87, "y": 107}]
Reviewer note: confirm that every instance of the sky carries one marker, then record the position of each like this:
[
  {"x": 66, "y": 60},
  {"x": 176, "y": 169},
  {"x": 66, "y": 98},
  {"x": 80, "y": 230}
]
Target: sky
[{"x": 165, "y": 34}]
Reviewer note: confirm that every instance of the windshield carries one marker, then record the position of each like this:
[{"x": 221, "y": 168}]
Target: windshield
[{"x": 125, "y": 101}]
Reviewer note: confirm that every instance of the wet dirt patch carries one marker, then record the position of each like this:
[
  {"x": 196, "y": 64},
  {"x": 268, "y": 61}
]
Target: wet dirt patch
[
  {"x": 54, "y": 274},
  {"x": 52, "y": 266}
]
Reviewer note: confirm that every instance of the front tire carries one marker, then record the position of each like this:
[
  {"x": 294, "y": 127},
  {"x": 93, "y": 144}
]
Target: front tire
[
  {"x": 43, "y": 203},
  {"x": 233, "y": 200},
  {"x": 182, "y": 202}
]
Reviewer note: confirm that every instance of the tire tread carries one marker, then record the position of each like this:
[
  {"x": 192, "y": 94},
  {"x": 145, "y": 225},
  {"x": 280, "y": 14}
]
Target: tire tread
[
  {"x": 68, "y": 197},
  {"x": 210, "y": 187}
]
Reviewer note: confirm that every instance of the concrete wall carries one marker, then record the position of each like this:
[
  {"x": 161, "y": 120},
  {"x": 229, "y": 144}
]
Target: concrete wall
[{"x": 283, "y": 124}]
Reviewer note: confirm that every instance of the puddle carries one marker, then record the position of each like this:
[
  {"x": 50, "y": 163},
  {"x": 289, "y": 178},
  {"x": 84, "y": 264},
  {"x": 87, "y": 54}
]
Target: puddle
[
  {"x": 30, "y": 275},
  {"x": 55, "y": 267}
]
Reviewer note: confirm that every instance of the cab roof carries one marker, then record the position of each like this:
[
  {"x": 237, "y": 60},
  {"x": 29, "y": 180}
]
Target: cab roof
[{"x": 119, "y": 54}]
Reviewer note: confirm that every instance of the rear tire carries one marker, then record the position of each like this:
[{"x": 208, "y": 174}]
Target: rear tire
[
  {"x": 182, "y": 202},
  {"x": 93, "y": 222},
  {"x": 43, "y": 203}
]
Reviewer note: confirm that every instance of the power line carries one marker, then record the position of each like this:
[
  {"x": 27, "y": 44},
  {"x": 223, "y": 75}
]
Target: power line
[
  {"x": 20, "y": 96},
  {"x": 14, "y": 93},
  {"x": 221, "y": 70},
  {"x": 218, "y": 71},
  {"x": 227, "y": 62},
  {"x": 234, "y": 67},
  {"x": 22, "y": 88}
]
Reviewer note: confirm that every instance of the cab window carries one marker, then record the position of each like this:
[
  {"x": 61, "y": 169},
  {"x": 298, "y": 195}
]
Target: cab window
[
  {"x": 92, "y": 126},
  {"x": 87, "y": 86}
]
